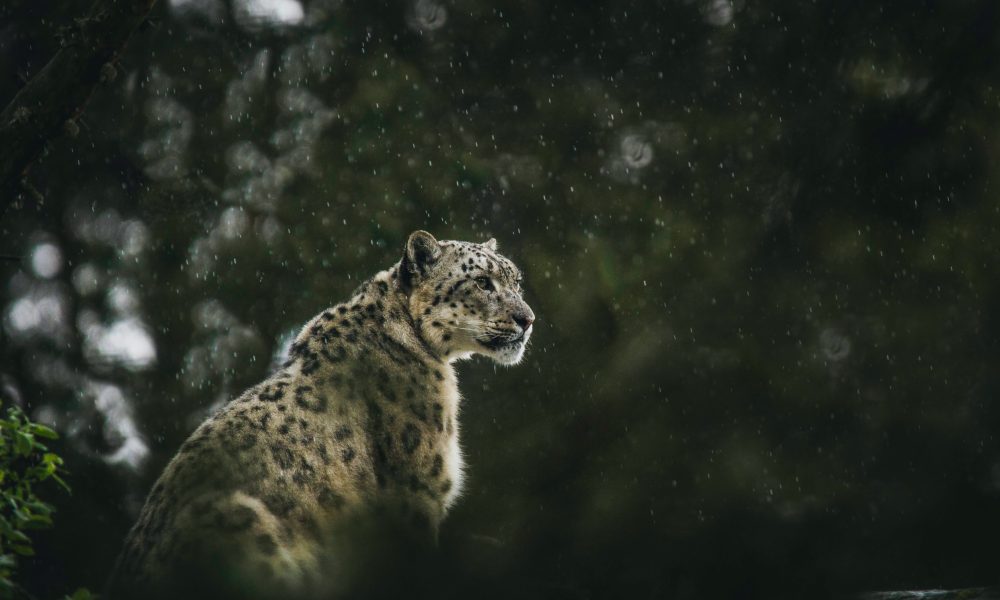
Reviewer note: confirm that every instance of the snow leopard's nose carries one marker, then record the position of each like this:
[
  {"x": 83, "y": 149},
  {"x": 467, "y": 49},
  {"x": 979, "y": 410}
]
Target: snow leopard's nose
[{"x": 524, "y": 320}]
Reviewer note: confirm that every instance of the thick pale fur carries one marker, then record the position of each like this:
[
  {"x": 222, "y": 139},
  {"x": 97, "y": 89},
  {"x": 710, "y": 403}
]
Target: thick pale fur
[{"x": 360, "y": 423}]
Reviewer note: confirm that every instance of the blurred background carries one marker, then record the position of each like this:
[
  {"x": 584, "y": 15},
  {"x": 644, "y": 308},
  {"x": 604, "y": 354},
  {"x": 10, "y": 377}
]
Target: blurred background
[{"x": 760, "y": 239}]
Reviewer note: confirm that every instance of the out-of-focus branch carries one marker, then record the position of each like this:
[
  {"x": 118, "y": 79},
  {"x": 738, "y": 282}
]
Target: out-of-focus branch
[
  {"x": 965, "y": 594},
  {"x": 52, "y": 100}
]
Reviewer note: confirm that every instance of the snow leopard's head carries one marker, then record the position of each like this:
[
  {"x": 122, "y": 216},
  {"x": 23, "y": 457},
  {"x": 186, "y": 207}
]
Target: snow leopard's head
[{"x": 465, "y": 298}]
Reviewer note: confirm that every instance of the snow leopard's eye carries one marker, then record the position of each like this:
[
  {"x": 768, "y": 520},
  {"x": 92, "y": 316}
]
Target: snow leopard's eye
[{"x": 484, "y": 283}]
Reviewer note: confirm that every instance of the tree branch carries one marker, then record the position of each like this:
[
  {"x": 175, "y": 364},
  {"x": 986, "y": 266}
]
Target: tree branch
[{"x": 51, "y": 101}]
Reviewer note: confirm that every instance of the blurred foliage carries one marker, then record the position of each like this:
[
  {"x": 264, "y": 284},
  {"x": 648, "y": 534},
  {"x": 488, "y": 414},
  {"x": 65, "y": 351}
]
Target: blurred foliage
[{"x": 761, "y": 241}]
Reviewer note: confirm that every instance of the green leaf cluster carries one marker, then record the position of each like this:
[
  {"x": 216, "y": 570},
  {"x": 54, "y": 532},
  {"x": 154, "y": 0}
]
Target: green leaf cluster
[{"x": 25, "y": 462}]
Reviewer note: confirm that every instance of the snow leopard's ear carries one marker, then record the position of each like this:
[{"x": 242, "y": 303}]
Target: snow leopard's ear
[
  {"x": 490, "y": 244},
  {"x": 420, "y": 254}
]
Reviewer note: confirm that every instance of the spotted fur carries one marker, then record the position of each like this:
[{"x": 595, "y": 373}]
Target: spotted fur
[{"x": 362, "y": 417}]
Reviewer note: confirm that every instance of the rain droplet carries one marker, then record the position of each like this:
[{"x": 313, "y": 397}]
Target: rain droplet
[
  {"x": 637, "y": 152},
  {"x": 718, "y": 12},
  {"x": 427, "y": 15},
  {"x": 835, "y": 345}
]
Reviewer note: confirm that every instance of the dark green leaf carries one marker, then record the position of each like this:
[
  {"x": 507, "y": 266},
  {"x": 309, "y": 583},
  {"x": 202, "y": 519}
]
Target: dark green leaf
[{"x": 43, "y": 431}]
